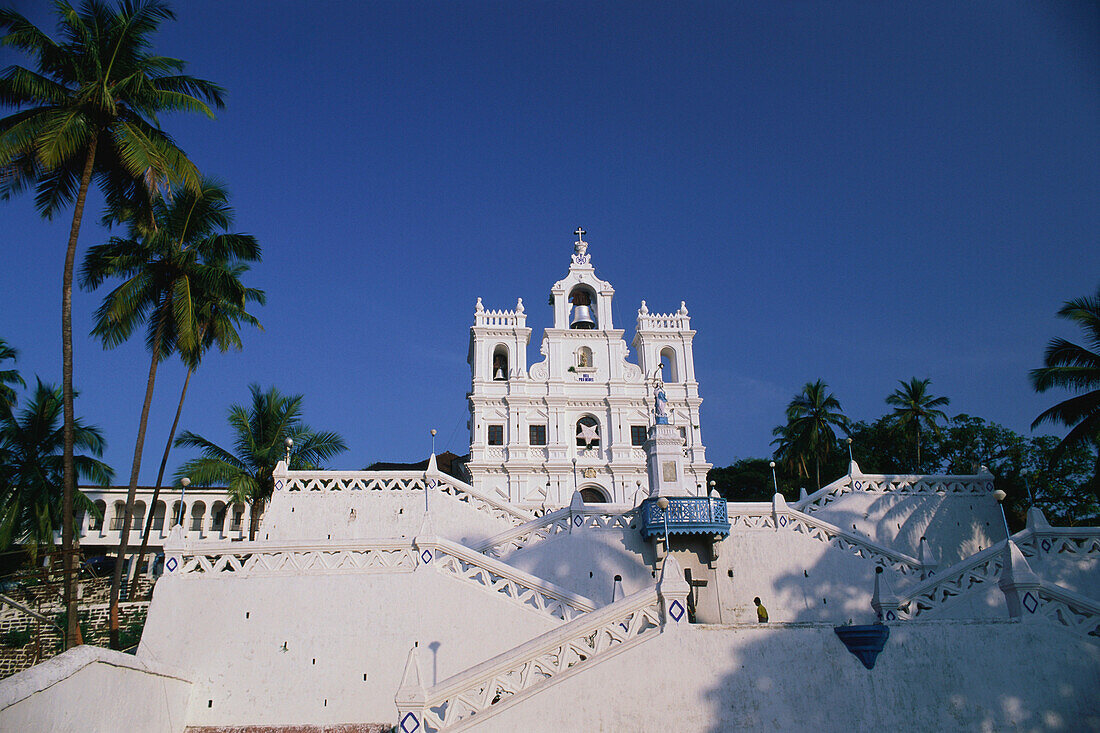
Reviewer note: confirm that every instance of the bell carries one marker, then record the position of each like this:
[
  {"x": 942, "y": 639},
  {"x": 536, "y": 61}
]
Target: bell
[
  {"x": 582, "y": 318},
  {"x": 499, "y": 376}
]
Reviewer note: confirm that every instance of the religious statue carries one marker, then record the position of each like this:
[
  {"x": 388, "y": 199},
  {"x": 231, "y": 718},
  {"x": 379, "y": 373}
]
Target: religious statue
[
  {"x": 583, "y": 358},
  {"x": 662, "y": 405}
]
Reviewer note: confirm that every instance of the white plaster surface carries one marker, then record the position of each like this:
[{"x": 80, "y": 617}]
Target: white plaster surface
[
  {"x": 337, "y": 628},
  {"x": 93, "y": 689},
  {"x": 338, "y": 515},
  {"x": 956, "y": 526},
  {"x": 931, "y": 676}
]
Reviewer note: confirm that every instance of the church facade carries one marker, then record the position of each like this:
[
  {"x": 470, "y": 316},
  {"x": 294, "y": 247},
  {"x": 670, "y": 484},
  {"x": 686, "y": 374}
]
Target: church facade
[
  {"x": 578, "y": 419},
  {"x": 584, "y": 579}
]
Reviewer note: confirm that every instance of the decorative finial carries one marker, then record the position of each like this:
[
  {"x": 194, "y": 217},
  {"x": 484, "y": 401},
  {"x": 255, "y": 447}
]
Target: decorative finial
[
  {"x": 683, "y": 308},
  {"x": 580, "y": 248},
  {"x": 519, "y": 306},
  {"x": 479, "y": 308},
  {"x": 644, "y": 310}
]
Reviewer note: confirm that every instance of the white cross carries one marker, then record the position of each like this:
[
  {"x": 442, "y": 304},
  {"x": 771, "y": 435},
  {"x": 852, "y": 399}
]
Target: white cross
[{"x": 580, "y": 234}]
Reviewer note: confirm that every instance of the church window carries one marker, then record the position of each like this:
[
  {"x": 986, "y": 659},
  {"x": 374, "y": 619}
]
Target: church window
[
  {"x": 538, "y": 434},
  {"x": 592, "y": 495},
  {"x": 638, "y": 434},
  {"x": 496, "y": 435},
  {"x": 500, "y": 363},
  {"x": 684, "y": 435},
  {"x": 588, "y": 432}
]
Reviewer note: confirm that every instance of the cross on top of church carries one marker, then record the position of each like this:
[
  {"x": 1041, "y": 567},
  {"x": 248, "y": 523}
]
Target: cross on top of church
[{"x": 580, "y": 248}]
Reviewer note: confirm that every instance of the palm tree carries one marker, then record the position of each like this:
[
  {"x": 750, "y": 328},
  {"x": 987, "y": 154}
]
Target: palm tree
[
  {"x": 169, "y": 272},
  {"x": 8, "y": 377},
  {"x": 31, "y": 470},
  {"x": 260, "y": 434},
  {"x": 914, "y": 409},
  {"x": 808, "y": 434},
  {"x": 89, "y": 110},
  {"x": 1077, "y": 368},
  {"x": 217, "y": 319}
]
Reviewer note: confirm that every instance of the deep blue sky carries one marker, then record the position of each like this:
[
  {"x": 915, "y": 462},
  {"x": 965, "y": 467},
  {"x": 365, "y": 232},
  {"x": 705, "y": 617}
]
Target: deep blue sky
[{"x": 858, "y": 192}]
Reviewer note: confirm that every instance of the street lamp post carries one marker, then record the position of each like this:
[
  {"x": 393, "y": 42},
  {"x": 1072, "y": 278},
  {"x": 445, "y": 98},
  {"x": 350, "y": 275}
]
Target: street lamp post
[
  {"x": 775, "y": 481},
  {"x": 184, "y": 482},
  {"x": 851, "y": 460},
  {"x": 1000, "y": 496},
  {"x": 662, "y": 504}
]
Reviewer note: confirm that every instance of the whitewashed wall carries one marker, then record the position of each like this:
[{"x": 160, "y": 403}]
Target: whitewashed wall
[
  {"x": 931, "y": 676},
  {"x": 90, "y": 689},
  {"x": 346, "y": 638}
]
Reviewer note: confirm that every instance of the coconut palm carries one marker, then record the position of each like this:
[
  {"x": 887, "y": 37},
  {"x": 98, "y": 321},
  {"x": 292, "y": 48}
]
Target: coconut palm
[
  {"x": 260, "y": 433},
  {"x": 1076, "y": 368},
  {"x": 8, "y": 377},
  {"x": 217, "y": 319},
  {"x": 808, "y": 434},
  {"x": 31, "y": 483},
  {"x": 169, "y": 272},
  {"x": 88, "y": 110},
  {"x": 915, "y": 409}
]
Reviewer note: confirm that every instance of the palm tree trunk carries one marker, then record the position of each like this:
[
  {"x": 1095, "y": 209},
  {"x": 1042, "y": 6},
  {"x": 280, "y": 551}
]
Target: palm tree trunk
[
  {"x": 817, "y": 471},
  {"x": 918, "y": 447},
  {"x": 72, "y": 633},
  {"x": 254, "y": 520},
  {"x": 156, "y": 489},
  {"x": 131, "y": 493}
]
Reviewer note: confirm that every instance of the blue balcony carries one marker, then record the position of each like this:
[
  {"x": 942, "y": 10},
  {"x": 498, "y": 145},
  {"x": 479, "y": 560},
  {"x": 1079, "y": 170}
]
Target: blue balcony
[{"x": 685, "y": 515}]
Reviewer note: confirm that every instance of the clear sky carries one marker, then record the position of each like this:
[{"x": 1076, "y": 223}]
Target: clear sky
[{"x": 858, "y": 192}]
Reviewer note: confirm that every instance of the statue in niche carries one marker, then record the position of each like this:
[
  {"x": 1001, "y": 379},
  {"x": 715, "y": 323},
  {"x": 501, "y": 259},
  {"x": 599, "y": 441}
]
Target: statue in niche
[{"x": 584, "y": 358}]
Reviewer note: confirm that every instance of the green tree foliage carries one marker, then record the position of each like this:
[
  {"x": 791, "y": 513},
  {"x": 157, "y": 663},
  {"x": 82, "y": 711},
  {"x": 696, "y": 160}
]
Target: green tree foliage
[
  {"x": 916, "y": 410},
  {"x": 750, "y": 479},
  {"x": 8, "y": 377},
  {"x": 809, "y": 435},
  {"x": 31, "y": 485},
  {"x": 87, "y": 108},
  {"x": 1076, "y": 368},
  {"x": 259, "y": 434},
  {"x": 173, "y": 267}
]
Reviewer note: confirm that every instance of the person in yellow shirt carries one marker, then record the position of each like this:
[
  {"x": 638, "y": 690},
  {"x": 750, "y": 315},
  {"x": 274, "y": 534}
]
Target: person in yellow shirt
[{"x": 761, "y": 612}]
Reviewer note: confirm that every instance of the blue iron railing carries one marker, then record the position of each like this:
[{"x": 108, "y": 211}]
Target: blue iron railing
[{"x": 685, "y": 515}]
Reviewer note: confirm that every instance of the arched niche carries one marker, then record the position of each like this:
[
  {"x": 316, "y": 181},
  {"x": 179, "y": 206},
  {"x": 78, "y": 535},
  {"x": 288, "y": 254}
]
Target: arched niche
[
  {"x": 585, "y": 314},
  {"x": 500, "y": 363},
  {"x": 670, "y": 370},
  {"x": 584, "y": 357},
  {"x": 593, "y": 494}
]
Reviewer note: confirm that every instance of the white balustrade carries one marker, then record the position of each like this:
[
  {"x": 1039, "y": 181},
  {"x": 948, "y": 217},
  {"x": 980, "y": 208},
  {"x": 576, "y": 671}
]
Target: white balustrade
[
  {"x": 323, "y": 481},
  {"x": 470, "y": 696},
  {"x": 976, "y": 485},
  {"x": 502, "y": 579}
]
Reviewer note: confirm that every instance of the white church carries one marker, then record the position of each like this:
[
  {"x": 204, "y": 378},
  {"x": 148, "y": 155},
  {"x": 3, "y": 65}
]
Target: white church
[{"x": 577, "y": 575}]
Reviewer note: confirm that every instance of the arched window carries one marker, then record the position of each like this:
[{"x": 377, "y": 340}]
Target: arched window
[
  {"x": 500, "y": 363},
  {"x": 101, "y": 510},
  {"x": 238, "y": 515},
  {"x": 198, "y": 510},
  {"x": 584, "y": 357},
  {"x": 219, "y": 517},
  {"x": 588, "y": 432},
  {"x": 158, "y": 517},
  {"x": 177, "y": 517},
  {"x": 116, "y": 518},
  {"x": 139, "y": 516},
  {"x": 593, "y": 495},
  {"x": 669, "y": 369},
  {"x": 584, "y": 309}
]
